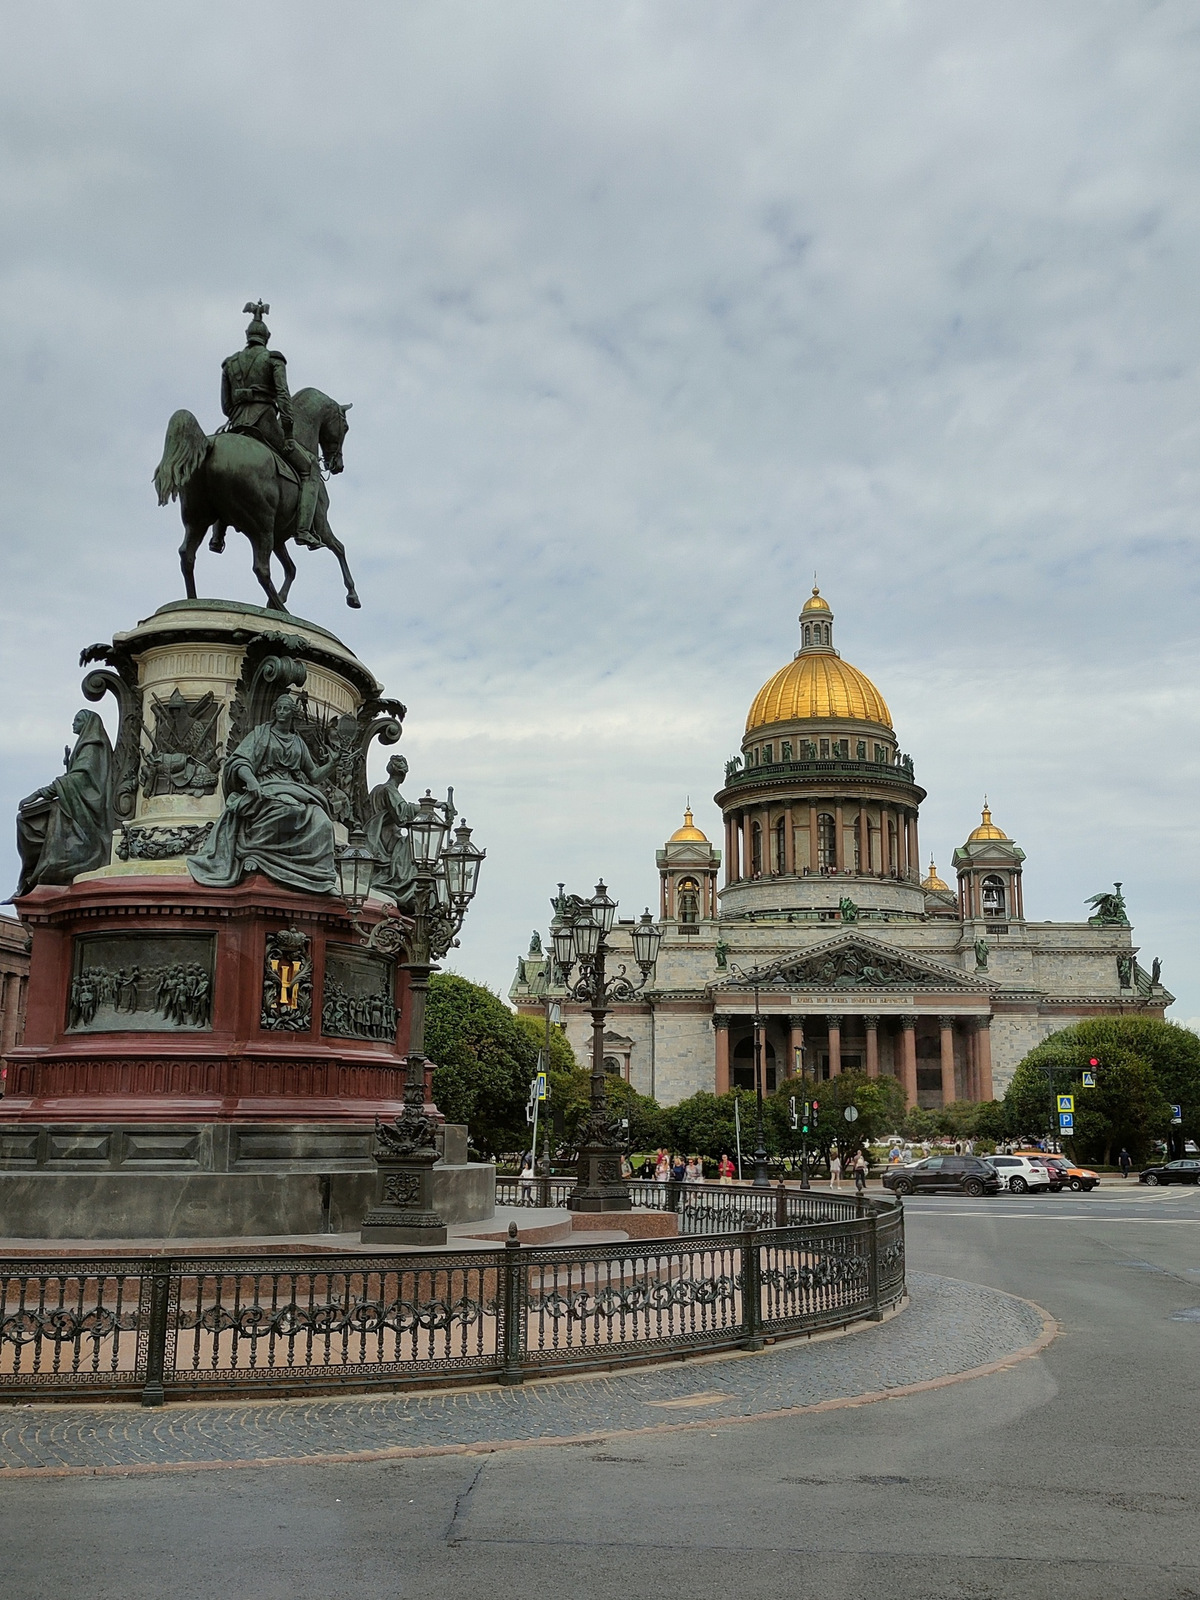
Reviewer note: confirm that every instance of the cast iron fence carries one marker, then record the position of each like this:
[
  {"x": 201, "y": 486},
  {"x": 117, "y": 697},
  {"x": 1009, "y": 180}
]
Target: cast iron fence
[{"x": 164, "y": 1328}]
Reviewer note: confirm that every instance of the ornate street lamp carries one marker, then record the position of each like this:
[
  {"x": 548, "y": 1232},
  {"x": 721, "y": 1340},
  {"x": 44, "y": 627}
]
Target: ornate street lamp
[
  {"x": 447, "y": 878},
  {"x": 761, "y": 1176},
  {"x": 580, "y": 935}
]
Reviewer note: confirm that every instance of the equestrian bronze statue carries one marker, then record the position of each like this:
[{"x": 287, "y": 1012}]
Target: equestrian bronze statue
[{"x": 259, "y": 473}]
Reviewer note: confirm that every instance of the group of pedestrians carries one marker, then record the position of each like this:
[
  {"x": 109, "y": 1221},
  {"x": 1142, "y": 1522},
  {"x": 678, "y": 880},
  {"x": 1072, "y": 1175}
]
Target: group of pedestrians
[{"x": 858, "y": 1165}]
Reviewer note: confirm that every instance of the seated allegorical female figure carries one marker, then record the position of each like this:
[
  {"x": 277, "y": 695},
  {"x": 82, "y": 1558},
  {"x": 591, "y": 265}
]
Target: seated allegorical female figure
[
  {"x": 66, "y": 828},
  {"x": 276, "y": 820}
]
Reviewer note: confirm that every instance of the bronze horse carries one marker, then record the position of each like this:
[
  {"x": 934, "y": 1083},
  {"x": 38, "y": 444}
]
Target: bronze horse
[{"x": 234, "y": 480}]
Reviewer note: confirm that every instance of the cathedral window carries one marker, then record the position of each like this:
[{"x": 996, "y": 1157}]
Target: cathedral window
[
  {"x": 768, "y": 754},
  {"x": 993, "y": 896},
  {"x": 862, "y": 750},
  {"x": 826, "y": 842},
  {"x": 824, "y": 749},
  {"x": 756, "y": 850},
  {"x": 781, "y": 845},
  {"x": 808, "y": 633}
]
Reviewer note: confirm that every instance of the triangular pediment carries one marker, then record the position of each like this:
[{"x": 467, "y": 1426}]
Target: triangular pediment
[{"x": 856, "y": 961}]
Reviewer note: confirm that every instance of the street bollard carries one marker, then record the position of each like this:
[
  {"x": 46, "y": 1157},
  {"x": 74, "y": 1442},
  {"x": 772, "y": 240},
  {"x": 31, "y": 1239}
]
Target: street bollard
[{"x": 514, "y": 1308}]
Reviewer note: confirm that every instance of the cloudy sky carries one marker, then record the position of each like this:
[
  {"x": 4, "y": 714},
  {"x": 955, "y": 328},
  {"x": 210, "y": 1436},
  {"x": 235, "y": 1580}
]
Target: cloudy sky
[{"x": 647, "y": 311}]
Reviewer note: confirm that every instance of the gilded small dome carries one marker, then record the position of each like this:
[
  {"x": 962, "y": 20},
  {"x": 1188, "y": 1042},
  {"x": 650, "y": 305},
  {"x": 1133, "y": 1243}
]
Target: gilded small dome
[
  {"x": 815, "y": 602},
  {"x": 818, "y": 686},
  {"x": 987, "y": 829},
  {"x": 689, "y": 833},
  {"x": 933, "y": 883}
]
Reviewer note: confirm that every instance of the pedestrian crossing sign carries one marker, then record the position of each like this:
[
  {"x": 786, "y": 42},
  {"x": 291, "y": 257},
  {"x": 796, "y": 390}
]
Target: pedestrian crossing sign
[
  {"x": 1089, "y": 1080},
  {"x": 1066, "y": 1102},
  {"x": 540, "y": 1086}
]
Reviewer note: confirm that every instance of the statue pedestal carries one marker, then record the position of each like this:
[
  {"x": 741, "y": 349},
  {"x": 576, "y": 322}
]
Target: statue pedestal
[{"x": 153, "y": 999}]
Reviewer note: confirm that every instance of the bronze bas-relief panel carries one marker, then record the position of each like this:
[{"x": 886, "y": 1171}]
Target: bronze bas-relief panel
[
  {"x": 142, "y": 983},
  {"x": 359, "y": 997}
]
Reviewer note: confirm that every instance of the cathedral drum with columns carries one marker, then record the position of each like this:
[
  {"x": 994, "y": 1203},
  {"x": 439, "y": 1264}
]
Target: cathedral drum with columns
[{"x": 863, "y": 963}]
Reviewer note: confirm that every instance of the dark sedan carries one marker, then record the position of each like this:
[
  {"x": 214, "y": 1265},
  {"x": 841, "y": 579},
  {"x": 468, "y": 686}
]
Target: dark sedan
[
  {"x": 1187, "y": 1171},
  {"x": 936, "y": 1174}
]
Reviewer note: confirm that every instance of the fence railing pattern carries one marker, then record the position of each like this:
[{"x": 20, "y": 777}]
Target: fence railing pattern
[{"x": 171, "y": 1328}]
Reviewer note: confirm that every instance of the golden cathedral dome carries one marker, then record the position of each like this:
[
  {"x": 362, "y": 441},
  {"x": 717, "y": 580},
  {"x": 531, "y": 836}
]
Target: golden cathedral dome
[
  {"x": 818, "y": 686},
  {"x": 987, "y": 829},
  {"x": 689, "y": 833},
  {"x": 815, "y": 602},
  {"x": 933, "y": 883}
]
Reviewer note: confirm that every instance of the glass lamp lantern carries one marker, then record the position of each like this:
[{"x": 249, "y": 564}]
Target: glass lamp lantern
[
  {"x": 462, "y": 862},
  {"x": 647, "y": 938},
  {"x": 604, "y": 908},
  {"x": 585, "y": 934},
  {"x": 355, "y": 866},
  {"x": 563, "y": 941},
  {"x": 427, "y": 832}
]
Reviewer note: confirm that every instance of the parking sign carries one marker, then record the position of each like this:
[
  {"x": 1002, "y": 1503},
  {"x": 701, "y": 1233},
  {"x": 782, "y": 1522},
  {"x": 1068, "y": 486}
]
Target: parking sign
[{"x": 1066, "y": 1122}]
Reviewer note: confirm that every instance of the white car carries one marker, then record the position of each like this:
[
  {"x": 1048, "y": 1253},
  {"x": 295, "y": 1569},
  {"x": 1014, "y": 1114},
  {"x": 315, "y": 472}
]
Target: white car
[{"x": 1020, "y": 1174}]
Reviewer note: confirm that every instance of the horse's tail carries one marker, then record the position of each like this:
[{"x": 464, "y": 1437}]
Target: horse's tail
[{"x": 185, "y": 449}]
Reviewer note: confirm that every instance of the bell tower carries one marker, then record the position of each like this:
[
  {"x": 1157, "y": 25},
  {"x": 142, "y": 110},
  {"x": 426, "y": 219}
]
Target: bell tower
[
  {"x": 687, "y": 871},
  {"x": 989, "y": 876}
]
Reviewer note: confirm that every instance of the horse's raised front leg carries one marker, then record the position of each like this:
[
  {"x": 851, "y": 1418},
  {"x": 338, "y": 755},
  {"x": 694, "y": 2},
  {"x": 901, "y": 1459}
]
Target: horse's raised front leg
[{"x": 339, "y": 550}]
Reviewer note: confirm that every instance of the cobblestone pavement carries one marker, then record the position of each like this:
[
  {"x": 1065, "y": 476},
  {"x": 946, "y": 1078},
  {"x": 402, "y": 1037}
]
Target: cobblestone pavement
[{"x": 949, "y": 1327}]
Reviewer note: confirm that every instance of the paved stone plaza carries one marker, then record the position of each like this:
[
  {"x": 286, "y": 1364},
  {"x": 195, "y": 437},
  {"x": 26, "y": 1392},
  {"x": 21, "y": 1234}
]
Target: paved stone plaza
[{"x": 1069, "y": 1473}]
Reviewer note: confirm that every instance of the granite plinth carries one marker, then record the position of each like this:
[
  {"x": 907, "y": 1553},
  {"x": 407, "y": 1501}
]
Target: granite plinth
[{"x": 189, "y": 1205}]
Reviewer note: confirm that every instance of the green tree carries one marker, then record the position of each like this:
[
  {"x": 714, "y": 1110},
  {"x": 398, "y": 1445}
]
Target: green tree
[
  {"x": 1170, "y": 1052},
  {"x": 485, "y": 1062},
  {"x": 878, "y": 1101},
  {"x": 703, "y": 1124}
]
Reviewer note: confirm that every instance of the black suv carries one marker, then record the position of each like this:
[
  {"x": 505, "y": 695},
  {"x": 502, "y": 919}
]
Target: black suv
[{"x": 958, "y": 1174}]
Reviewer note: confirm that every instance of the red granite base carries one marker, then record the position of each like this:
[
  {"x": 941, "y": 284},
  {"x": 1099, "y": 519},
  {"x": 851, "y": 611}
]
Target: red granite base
[
  {"x": 637, "y": 1224},
  {"x": 236, "y": 1069}
]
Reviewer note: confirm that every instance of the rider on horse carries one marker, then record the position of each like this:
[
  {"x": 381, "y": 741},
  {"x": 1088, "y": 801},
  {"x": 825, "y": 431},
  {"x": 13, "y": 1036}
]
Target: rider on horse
[{"x": 256, "y": 399}]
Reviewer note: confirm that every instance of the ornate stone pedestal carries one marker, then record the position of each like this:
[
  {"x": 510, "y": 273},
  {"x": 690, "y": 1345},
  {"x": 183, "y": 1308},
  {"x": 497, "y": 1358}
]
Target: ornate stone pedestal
[
  {"x": 208, "y": 1057},
  {"x": 404, "y": 1211}
]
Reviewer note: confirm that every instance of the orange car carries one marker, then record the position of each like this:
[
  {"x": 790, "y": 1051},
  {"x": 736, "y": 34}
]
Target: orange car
[{"x": 1067, "y": 1174}]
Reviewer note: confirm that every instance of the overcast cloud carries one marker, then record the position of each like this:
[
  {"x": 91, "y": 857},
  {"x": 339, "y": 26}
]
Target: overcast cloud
[{"x": 646, "y": 311}]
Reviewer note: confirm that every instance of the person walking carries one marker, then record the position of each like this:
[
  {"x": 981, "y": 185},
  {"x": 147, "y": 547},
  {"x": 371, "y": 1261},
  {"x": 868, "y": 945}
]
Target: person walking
[
  {"x": 860, "y": 1173},
  {"x": 835, "y": 1171},
  {"x": 527, "y": 1181},
  {"x": 1125, "y": 1160},
  {"x": 725, "y": 1169}
]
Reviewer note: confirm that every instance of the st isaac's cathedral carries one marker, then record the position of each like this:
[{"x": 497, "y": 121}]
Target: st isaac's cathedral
[{"x": 864, "y": 963}]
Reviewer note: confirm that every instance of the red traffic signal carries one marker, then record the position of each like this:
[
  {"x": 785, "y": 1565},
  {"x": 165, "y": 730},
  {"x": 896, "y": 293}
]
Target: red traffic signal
[{"x": 1094, "y": 1062}]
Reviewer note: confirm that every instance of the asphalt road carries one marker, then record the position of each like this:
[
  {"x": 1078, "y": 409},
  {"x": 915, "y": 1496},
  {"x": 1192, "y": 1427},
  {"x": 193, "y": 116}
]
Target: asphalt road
[{"x": 1075, "y": 1473}]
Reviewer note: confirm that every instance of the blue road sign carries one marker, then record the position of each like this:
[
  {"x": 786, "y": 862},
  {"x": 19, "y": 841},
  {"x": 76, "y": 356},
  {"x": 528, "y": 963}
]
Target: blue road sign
[
  {"x": 1089, "y": 1080},
  {"x": 1066, "y": 1121},
  {"x": 1176, "y": 1114}
]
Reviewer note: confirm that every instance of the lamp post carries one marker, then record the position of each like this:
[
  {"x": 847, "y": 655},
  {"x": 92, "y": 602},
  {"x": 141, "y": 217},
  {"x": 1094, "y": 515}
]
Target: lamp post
[
  {"x": 447, "y": 878},
  {"x": 580, "y": 935},
  {"x": 761, "y": 1177}
]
